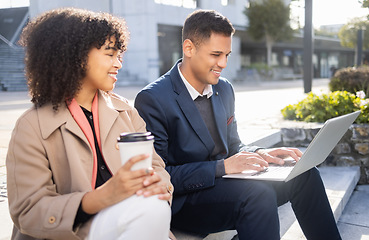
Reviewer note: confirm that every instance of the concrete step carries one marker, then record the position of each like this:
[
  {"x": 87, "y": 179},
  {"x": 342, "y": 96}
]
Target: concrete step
[
  {"x": 339, "y": 183},
  {"x": 354, "y": 222}
]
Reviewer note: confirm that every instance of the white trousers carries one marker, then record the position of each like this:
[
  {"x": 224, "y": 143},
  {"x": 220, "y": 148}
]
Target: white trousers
[{"x": 135, "y": 218}]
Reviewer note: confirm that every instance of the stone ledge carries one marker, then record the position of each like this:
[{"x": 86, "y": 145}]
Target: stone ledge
[{"x": 270, "y": 140}]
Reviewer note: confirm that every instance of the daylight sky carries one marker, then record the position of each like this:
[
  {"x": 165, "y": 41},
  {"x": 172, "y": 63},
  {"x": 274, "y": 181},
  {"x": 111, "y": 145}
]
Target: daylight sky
[{"x": 327, "y": 12}]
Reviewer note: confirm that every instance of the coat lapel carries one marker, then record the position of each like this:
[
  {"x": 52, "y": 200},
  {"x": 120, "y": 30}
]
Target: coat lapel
[
  {"x": 107, "y": 116},
  {"x": 52, "y": 120},
  {"x": 189, "y": 109},
  {"x": 109, "y": 109}
]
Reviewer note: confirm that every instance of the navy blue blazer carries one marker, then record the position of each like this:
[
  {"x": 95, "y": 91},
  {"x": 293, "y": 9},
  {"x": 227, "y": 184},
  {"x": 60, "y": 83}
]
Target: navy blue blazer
[{"x": 181, "y": 136}]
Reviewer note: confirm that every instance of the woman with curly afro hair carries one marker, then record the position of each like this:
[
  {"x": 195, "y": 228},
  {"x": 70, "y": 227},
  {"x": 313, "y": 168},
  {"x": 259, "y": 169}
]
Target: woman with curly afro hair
[{"x": 65, "y": 177}]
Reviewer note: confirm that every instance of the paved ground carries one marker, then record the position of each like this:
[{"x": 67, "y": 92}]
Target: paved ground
[{"x": 258, "y": 113}]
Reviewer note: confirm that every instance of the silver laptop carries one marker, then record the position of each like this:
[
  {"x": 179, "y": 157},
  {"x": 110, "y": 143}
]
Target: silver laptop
[{"x": 317, "y": 151}]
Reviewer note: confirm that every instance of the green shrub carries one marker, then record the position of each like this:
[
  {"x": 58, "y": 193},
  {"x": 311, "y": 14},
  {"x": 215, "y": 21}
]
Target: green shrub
[
  {"x": 315, "y": 108},
  {"x": 351, "y": 80}
]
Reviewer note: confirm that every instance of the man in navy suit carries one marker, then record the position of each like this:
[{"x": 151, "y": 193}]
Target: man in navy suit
[{"x": 190, "y": 111}]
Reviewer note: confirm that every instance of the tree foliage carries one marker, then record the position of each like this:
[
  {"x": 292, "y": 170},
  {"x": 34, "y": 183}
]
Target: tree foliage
[
  {"x": 348, "y": 33},
  {"x": 364, "y": 3},
  {"x": 269, "y": 19}
]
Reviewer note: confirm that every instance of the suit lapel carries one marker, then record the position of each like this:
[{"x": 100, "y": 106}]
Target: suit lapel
[
  {"x": 220, "y": 115},
  {"x": 189, "y": 109}
]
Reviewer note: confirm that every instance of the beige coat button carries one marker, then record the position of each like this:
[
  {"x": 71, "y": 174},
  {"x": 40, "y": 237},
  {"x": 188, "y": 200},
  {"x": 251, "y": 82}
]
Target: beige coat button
[{"x": 52, "y": 219}]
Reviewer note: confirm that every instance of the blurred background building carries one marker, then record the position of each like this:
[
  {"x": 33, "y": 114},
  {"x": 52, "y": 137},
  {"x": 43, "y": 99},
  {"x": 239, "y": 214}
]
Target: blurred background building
[{"x": 155, "y": 41}]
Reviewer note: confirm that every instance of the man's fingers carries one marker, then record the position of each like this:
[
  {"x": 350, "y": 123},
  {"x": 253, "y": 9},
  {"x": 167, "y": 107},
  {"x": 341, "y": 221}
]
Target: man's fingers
[
  {"x": 260, "y": 162},
  {"x": 294, "y": 153},
  {"x": 272, "y": 159},
  {"x": 276, "y": 155},
  {"x": 276, "y": 160},
  {"x": 297, "y": 152}
]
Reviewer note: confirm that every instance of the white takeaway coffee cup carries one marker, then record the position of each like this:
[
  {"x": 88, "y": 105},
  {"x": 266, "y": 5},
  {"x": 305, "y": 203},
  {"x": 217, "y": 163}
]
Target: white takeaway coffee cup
[{"x": 133, "y": 144}]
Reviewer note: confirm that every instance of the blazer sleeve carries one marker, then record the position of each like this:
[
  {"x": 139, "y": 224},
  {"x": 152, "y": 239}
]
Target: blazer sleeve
[
  {"x": 34, "y": 204},
  {"x": 187, "y": 177}
]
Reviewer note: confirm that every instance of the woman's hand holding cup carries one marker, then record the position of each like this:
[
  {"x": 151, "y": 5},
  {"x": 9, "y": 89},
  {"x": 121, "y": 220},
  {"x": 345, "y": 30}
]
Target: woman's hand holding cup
[{"x": 122, "y": 185}]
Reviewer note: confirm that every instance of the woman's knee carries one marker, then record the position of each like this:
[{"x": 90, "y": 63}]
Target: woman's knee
[
  {"x": 131, "y": 216},
  {"x": 153, "y": 207}
]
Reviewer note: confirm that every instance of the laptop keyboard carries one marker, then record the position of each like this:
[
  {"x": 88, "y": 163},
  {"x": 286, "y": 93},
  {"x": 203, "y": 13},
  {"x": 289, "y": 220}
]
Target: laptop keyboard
[{"x": 277, "y": 170}]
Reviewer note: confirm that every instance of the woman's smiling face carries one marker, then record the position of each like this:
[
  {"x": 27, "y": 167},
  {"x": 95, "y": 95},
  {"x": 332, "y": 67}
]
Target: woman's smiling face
[{"x": 102, "y": 66}]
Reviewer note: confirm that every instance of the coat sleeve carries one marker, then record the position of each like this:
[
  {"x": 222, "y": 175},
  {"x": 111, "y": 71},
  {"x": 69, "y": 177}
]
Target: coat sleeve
[
  {"x": 34, "y": 204},
  {"x": 157, "y": 162},
  {"x": 188, "y": 177}
]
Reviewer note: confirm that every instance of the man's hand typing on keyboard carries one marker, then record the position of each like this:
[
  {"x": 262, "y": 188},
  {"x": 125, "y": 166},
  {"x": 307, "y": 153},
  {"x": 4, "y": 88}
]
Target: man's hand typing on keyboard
[
  {"x": 244, "y": 161},
  {"x": 260, "y": 160},
  {"x": 278, "y": 155}
]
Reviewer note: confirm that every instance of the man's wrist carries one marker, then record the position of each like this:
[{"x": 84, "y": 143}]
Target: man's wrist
[{"x": 220, "y": 169}]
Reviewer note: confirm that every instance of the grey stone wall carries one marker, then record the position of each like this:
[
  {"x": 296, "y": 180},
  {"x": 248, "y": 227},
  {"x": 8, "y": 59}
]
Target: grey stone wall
[{"x": 351, "y": 150}]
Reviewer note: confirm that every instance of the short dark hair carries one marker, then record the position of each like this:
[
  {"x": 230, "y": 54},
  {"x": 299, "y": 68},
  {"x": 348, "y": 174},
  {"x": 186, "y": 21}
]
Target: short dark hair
[
  {"x": 200, "y": 24},
  {"x": 57, "y": 45}
]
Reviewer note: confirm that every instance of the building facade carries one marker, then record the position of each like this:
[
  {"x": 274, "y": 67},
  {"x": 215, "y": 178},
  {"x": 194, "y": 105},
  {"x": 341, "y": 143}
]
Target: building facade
[{"x": 155, "y": 38}]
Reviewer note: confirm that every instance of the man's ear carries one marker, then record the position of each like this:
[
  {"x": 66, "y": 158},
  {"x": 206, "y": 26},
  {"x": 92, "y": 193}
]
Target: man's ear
[{"x": 188, "y": 48}]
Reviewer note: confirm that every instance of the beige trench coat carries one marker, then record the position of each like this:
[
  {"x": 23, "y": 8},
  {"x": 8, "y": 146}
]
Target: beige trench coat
[{"x": 49, "y": 166}]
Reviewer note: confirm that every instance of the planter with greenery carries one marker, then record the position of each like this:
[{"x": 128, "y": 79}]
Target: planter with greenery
[
  {"x": 319, "y": 108},
  {"x": 353, "y": 149}
]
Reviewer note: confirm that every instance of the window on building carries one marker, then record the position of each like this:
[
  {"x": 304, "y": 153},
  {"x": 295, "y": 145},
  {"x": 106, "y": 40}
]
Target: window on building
[
  {"x": 178, "y": 3},
  {"x": 227, "y": 2},
  {"x": 14, "y": 3}
]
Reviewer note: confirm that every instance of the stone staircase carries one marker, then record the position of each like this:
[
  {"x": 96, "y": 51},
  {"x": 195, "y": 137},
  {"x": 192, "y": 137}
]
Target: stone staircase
[
  {"x": 12, "y": 69},
  {"x": 339, "y": 182}
]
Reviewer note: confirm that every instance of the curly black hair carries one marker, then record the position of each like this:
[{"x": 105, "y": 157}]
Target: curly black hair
[{"x": 57, "y": 45}]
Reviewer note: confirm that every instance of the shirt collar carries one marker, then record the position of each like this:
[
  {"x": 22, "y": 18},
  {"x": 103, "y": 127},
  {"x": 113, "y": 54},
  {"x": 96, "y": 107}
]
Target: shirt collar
[{"x": 208, "y": 91}]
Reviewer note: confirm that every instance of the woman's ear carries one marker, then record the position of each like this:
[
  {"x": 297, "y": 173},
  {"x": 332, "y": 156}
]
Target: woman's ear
[{"x": 188, "y": 48}]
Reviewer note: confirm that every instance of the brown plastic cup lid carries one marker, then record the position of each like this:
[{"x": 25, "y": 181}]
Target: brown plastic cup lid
[{"x": 135, "y": 137}]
